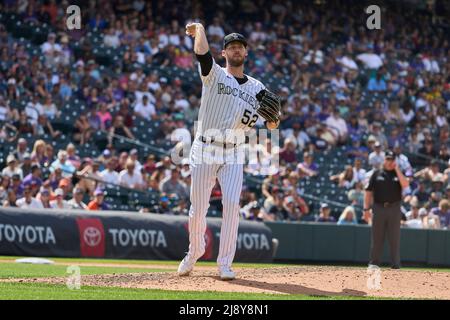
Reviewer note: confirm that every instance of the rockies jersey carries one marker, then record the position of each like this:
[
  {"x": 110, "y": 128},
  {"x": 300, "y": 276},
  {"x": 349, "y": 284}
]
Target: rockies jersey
[{"x": 226, "y": 104}]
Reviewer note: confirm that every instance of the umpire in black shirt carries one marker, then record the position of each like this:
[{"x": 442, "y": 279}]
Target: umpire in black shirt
[{"x": 383, "y": 197}]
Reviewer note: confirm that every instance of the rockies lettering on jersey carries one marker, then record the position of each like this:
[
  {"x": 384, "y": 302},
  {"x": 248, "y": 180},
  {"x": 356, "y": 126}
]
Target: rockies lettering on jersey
[{"x": 224, "y": 89}]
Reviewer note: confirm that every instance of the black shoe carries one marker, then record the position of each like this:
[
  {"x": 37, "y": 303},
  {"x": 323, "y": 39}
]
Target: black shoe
[{"x": 395, "y": 267}]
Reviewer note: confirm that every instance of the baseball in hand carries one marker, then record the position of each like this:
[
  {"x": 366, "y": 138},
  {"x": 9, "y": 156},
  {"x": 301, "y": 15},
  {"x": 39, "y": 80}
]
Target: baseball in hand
[
  {"x": 191, "y": 28},
  {"x": 272, "y": 125}
]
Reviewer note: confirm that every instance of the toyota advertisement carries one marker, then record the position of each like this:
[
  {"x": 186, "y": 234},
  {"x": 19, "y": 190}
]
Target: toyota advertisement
[{"x": 114, "y": 234}]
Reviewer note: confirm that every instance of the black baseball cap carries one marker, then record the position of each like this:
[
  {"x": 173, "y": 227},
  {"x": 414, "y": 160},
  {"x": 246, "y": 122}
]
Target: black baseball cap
[
  {"x": 389, "y": 154},
  {"x": 234, "y": 37}
]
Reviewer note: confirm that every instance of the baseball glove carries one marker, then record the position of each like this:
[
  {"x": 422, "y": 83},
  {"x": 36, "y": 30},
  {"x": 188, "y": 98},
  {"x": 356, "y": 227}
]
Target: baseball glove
[{"x": 269, "y": 105}]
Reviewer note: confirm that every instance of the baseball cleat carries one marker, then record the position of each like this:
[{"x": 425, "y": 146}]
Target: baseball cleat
[
  {"x": 227, "y": 274},
  {"x": 185, "y": 267}
]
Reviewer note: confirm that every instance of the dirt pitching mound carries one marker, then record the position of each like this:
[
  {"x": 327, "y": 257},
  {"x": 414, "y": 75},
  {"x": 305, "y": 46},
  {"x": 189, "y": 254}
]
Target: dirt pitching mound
[{"x": 316, "y": 281}]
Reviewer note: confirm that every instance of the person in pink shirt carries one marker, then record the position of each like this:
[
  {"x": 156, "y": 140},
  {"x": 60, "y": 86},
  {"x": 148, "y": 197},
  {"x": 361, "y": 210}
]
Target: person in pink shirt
[{"x": 104, "y": 115}]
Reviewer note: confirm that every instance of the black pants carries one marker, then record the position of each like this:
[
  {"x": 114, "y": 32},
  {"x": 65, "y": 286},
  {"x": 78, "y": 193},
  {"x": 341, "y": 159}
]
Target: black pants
[{"x": 385, "y": 221}]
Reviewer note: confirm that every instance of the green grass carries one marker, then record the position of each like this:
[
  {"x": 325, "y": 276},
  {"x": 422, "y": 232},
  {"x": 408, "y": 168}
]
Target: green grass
[
  {"x": 35, "y": 291},
  {"x": 19, "y": 270},
  {"x": 151, "y": 262}
]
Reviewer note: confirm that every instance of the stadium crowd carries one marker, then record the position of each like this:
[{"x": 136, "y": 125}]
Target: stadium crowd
[{"x": 351, "y": 89}]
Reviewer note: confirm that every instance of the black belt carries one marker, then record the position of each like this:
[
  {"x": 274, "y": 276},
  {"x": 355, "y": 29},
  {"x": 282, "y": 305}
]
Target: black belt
[
  {"x": 388, "y": 204},
  {"x": 219, "y": 144}
]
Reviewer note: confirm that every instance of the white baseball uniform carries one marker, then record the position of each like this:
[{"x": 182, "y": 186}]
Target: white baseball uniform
[{"x": 225, "y": 105}]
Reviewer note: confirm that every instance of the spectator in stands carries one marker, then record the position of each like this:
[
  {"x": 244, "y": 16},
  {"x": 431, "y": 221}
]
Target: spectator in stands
[
  {"x": 121, "y": 163},
  {"x": 345, "y": 179},
  {"x": 49, "y": 109},
  {"x": 83, "y": 129},
  {"x": 173, "y": 184},
  {"x": 277, "y": 211},
  {"x": 111, "y": 39},
  {"x": 44, "y": 126},
  {"x": 443, "y": 213},
  {"x": 376, "y": 157},
  {"x": 402, "y": 160},
  {"x": 377, "y": 84},
  {"x": 446, "y": 177},
  {"x": 44, "y": 198},
  {"x": 324, "y": 214},
  {"x": 28, "y": 201},
  {"x": 12, "y": 167},
  {"x": 307, "y": 168},
  {"x": 8, "y": 132},
  {"x": 72, "y": 156},
  {"x": 11, "y": 199},
  {"x": 109, "y": 175},
  {"x": 98, "y": 202},
  {"x": 23, "y": 125},
  {"x": 95, "y": 123},
  {"x": 357, "y": 150},
  {"x": 377, "y": 132},
  {"x": 287, "y": 153},
  {"x": 54, "y": 178},
  {"x": 34, "y": 176},
  {"x": 89, "y": 174},
  {"x": 444, "y": 155},
  {"x": 447, "y": 193},
  {"x": 104, "y": 116},
  {"x": 26, "y": 164},
  {"x": 130, "y": 178},
  {"x": 59, "y": 202},
  {"x": 77, "y": 200},
  {"x": 426, "y": 152},
  {"x": 150, "y": 164},
  {"x": 414, "y": 219},
  {"x": 49, "y": 154},
  {"x": 21, "y": 149},
  {"x": 16, "y": 185},
  {"x": 430, "y": 172},
  {"x": 66, "y": 166},
  {"x": 356, "y": 195},
  {"x": 336, "y": 123},
  {"x": 66, "y": 186},
  {"x": 7, "y": 114},
  {"x": 38, "y": 153},
  {"x": 251, "y": 211},
  {"x": 145, "y": 109},
  {"x": 347, "y": 217},
  {"x": 134, "y": 155},
  {"x": 124, "y": 112},
  {"x": 118, "y": 129},
  {"x": 52, "y": 51},
  {"x": 4, "y": 186},
  {"x": 163, "y": 207}
]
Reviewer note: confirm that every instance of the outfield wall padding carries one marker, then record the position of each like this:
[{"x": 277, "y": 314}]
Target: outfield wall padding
[
  {"x": 115, "y": 234},
  {"x": 322, "y": 242}
]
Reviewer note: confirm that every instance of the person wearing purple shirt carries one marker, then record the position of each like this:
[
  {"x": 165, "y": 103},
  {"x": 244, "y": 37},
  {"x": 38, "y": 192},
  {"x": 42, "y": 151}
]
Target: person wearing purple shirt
[
  {"x": 94, "y": 120},
  {"x": 33, "y": 177},
  {"x": 307, "y": 167},
  {"x": 443, "y": 212}
]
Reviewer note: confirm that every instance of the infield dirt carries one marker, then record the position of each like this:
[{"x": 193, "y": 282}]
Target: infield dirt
[{"x": 309, "y": 280}]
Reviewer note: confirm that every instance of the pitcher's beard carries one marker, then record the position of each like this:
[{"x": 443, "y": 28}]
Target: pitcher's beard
[{"x": 236, "y": 62}]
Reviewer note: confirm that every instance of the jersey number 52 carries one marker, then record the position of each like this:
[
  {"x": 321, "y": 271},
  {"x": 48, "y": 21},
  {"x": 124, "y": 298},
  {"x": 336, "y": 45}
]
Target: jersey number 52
[{"x": 246, "y": 119}]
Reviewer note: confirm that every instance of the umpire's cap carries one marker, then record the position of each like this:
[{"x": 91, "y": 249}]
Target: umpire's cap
[{"x": 234, "y": 37}]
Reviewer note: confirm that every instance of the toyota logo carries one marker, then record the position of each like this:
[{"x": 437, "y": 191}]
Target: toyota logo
[{"x": 92, "y": 236}]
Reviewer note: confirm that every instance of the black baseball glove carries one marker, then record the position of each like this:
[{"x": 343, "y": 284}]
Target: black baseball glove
[{"x": 269, "y": 105}]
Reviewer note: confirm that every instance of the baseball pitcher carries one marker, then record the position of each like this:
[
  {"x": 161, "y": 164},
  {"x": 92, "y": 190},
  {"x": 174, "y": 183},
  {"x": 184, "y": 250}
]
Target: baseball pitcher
[{"x": 231, "y": 101}]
